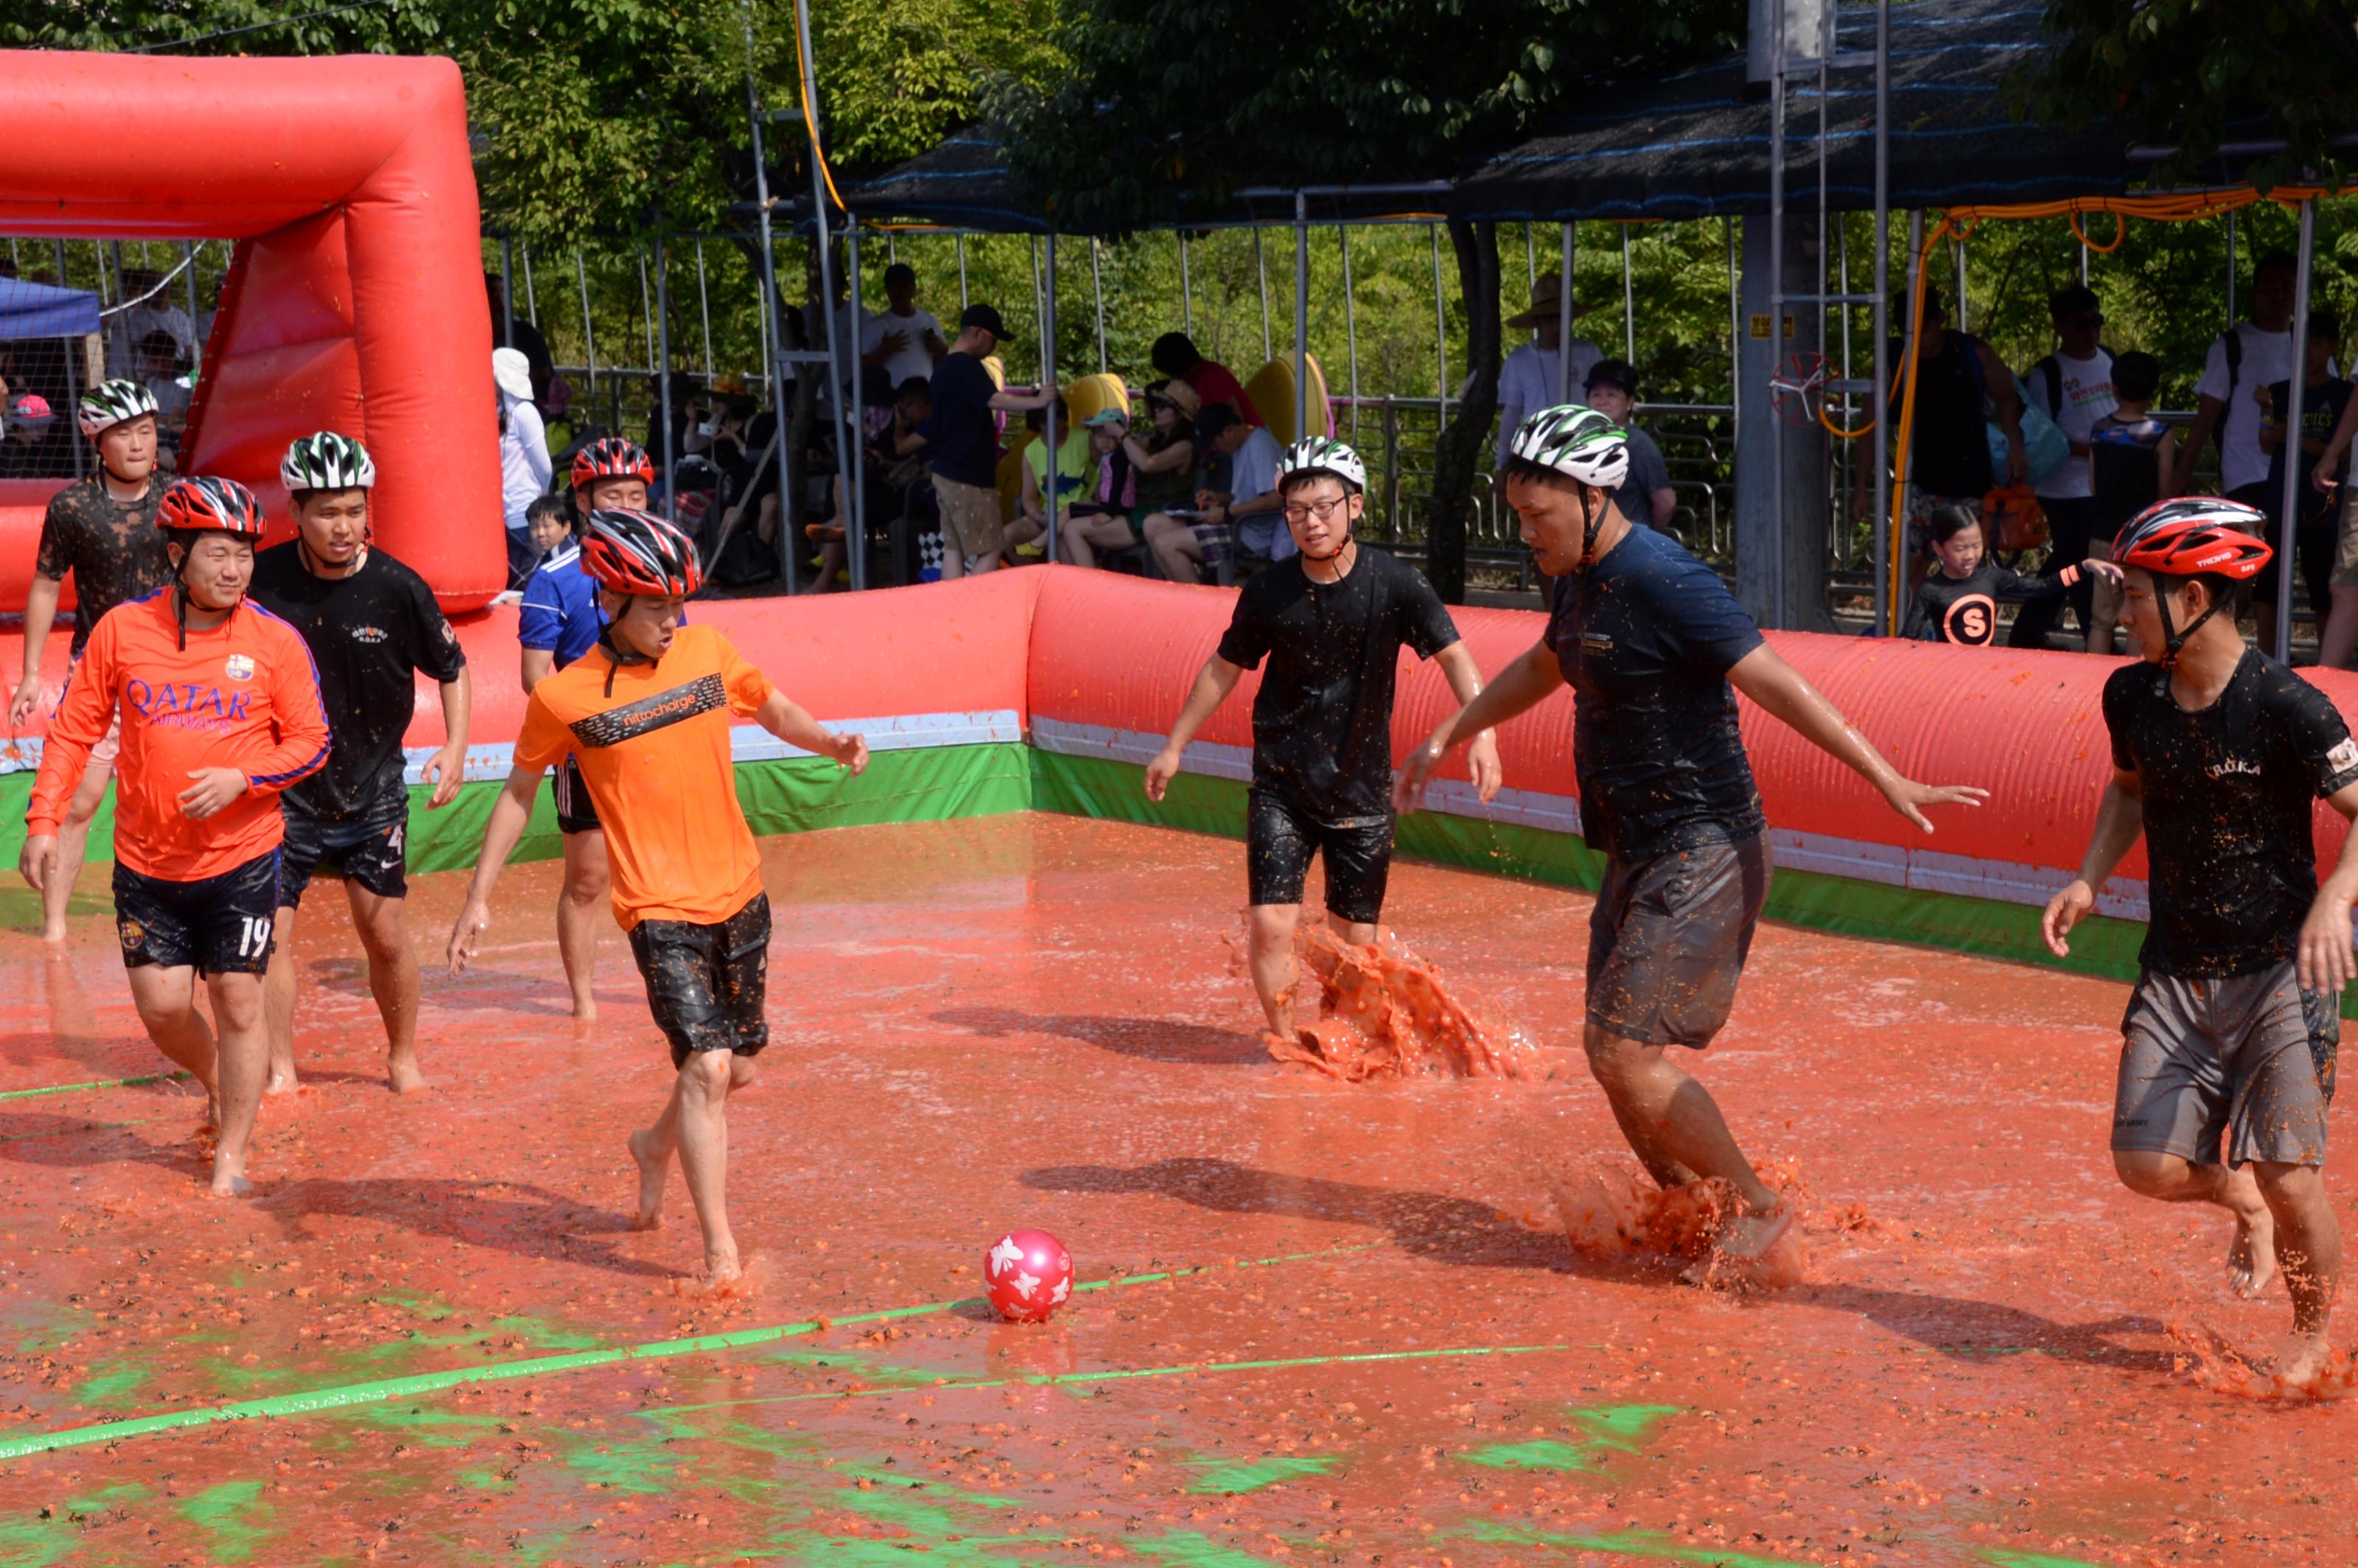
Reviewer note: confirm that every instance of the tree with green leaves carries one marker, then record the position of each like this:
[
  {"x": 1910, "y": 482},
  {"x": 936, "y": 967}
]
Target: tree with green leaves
[
  {"x": 2196, "y": 77},
  {"x": 1170, "y": 108}
]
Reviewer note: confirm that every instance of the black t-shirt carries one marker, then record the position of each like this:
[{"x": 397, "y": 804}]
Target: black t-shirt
[
  {"x": 1322, "y": 722},
  {"x": 367, "y": 632},
  {"x": 1645, "y": 638},
  {"x": 1964, "y": 610},
  {"x": 113, "y": 547},
  {"x": 961, "y": 437},
  {"x": 1948, "y": 444},
  {"x": 2321, "y": 410},
  {"x": 2227, "y": 792}
]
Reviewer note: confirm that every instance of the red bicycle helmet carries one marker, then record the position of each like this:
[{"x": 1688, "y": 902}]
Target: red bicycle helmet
[
  {"x": 639, "y": 553},
  {"x": 612, "y": 457},
  {"x": 207, "y": 505},
  {"x": 2196, "y": 534}
]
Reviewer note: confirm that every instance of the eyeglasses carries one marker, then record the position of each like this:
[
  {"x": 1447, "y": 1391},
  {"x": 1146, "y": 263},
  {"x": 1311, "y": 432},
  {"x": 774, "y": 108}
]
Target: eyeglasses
[{"x": 1322, "y": 510}]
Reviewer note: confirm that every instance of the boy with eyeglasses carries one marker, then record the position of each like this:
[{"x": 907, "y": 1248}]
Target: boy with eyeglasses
[{"x": 1331, "y": 619}]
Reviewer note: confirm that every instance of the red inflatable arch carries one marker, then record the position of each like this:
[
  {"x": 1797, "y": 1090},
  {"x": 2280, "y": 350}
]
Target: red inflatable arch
[{"x": 354, "y": 301}]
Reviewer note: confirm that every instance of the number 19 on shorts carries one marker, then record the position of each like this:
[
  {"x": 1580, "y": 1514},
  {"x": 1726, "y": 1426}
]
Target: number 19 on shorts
[{"x": 254, "y": 938}]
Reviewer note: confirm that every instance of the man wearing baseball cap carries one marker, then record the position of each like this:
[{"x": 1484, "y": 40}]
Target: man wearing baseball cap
[
  {"x": 1646, "y": 496},
  {"x": 961, "y": 443}
]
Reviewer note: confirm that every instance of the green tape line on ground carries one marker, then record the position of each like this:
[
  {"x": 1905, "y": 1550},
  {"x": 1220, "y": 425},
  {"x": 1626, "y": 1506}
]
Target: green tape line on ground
[
  {"x": 94, "y": 1084},
  {"x": 318, "y": 1399}
]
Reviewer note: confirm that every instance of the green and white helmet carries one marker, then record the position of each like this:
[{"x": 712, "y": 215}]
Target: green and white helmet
[
  {"x": 1322, "y": 454},
  {"x": 1577, "y": 442},
  {"x": 327, "y": 461},
  {"x": 111, "y": 403}
]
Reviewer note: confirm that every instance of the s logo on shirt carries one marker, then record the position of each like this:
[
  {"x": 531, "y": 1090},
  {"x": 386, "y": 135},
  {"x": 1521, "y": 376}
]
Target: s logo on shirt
[
  {"x": 1973, "y": 620},
  {"x": 238, "y": 667}
]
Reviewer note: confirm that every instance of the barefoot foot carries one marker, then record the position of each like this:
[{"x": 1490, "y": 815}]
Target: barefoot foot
[
  {"x": 2302, "y": 1359},
  {"x": 402, "y": 1073},
  {"x": 585, "y": 1008},
  {"x": 231, "y": 1184},
  {"x": 654, "y": 1168},
  {"x": 282, "y": 1079},
  {"x": 1754, "y": 1252},
  {"x": 723, "y": 1276},
  {"x": 2251, "y": 1256}
]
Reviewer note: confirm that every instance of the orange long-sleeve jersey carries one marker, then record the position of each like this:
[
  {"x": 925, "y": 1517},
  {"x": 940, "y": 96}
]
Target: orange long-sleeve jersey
[{"x": 243, "y": 695}]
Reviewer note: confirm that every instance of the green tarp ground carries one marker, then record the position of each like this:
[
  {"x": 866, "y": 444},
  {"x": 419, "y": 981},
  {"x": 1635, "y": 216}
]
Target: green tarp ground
[{"x": 937, "y": 784}]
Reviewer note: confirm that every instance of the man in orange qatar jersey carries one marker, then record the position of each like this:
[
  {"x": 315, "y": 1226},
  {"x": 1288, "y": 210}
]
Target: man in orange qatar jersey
[
  {"x": 219, "y": 709},
  {"x": 645, "y": 715}
]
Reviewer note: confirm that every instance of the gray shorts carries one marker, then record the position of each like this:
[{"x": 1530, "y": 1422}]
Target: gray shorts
[
  {"x": 2249, "y": 1056},
  {"x": 1667, "y": 940}
]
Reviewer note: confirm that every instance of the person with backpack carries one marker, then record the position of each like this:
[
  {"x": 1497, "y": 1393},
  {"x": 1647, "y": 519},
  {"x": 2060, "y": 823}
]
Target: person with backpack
[
  {"x": 2254, "y": 353},
  {"x": 2323, "y": 397},
  {"x": 2073, "y": 388},
  {"x": 1961, "y": 385},
  {"x": 2132, "y": 458}
]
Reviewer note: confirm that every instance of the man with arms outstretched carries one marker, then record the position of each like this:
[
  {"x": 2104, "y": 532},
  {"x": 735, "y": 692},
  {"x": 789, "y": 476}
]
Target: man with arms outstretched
[
  {"x": 1650, "y": 640},
  {"x": 371, "y": 623},
  {"x": 646, "y": 714},
  {"x": 219, "y": 711},
  {"x": 1331, "y": 619},
  {"x": 2218, "y": 752}
]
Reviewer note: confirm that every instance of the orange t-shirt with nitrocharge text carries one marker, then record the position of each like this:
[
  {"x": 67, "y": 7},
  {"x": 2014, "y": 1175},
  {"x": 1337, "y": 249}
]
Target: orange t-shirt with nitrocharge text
[
  {"x": 655, "y": 756},
  {"x": 240, "y": 695}
]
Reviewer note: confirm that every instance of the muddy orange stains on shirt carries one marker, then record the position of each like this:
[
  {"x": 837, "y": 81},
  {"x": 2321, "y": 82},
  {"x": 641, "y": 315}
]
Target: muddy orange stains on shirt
[
  {"x": 655, "y": 752},
  {"x": 242, "y": 695}
]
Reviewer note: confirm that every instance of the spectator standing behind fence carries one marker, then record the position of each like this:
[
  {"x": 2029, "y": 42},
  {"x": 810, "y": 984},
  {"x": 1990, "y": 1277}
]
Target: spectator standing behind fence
[
  {"x": 904, "y": 340},
  {"x": 2074, "y": 386},
  {"x": 1645, "y": 496},
  {"x": 2253, "y": 352},
  {"x": 2132, "y": 463},
  {"x": 524, "y": 468},
  {"x": 2331, "y": 478},
  {"x": 1174, "y": 355},
  {"x": 961, "y": 443},
  {"x": 523, "y": 337},
  {"x": 2324, "y": 396},
  {"x": 1960, "y": 388},
  {"x": 1958, "y": 603},
  {"x": 1529, "y": 380}
]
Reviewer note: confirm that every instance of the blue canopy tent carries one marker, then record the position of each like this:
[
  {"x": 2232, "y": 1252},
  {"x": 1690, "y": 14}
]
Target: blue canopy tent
[{"x": 44, "y": 310}]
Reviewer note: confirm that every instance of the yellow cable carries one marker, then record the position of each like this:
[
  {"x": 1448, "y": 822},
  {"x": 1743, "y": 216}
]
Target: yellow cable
[{"x": 810, "y": 124}]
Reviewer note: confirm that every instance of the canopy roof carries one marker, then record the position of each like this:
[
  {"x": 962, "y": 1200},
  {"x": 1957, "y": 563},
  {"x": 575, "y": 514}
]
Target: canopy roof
[{"x": 42, "y": 310}]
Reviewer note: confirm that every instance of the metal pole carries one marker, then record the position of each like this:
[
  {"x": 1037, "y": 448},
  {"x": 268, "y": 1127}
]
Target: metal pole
[
  {"x": 1301, "y": 316},
  {"x": 1186, "y": 289},
  {"x": 961, "y": 259},
  {"x": 1628, "y": 302},
  {"x": 507, "y": 292},
  {"x": 1096, "y": 291},
  {"x": 1350, "y": 326},
  {"x": 852, "y": 461},
  {"x": 1776, "y": 310},
  {"x": 1531, "y": 256},
  {"x": 188, "y": 254},
  {"x": 704, "y": 308},
  {"x": 2286, "y": 525},
  {"x": 646, "y": 309},
  {"x": 1048, "y": 496},
  {"x": 1261, "y": 267},
  {"x": 1440, "y": 323},
  {"x": 1735, "y": 328},
  {"x": 531, "y": 305},
  {"x": 1564, "y": 318},
  {"x": 663, "y": 379},
  {"x": 588, "y": 338},
  {"x": 2231, "y": 272},
  {"x": 1039, "y": 312},
  {"x": 774, "y": 343},
  {"x": 789, "y": 513},
  {"x": 1957, "y": 259},
  {"x": 1885, "y": 620}
]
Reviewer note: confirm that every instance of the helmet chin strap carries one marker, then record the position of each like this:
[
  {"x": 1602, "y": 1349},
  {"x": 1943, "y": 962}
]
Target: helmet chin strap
[
  {"x": 618, "y": 655},
  {"x": 1592, "y": 519},
  {"x": 2172, "y": 640}
]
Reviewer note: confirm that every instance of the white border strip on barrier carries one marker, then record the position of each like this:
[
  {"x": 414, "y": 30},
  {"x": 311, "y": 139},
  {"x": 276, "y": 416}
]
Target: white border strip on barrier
[{"x": 1891, "y": 865}]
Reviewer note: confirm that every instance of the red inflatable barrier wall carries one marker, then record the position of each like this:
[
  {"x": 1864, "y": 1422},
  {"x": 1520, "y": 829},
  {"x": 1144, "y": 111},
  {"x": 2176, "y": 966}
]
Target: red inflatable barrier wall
[{"x": 355, "y": 298}]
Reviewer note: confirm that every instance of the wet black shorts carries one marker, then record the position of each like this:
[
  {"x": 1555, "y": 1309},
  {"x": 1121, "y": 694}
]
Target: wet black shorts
[
  {"x": 370, "y": 849},
  {"x": 576, "y": 812},
  {"x": 219, "y": 925},
  {"x": 706, "y": 984},
  {"x": 1281, "y": 837},
  {"x": 1667, "y": 940}
]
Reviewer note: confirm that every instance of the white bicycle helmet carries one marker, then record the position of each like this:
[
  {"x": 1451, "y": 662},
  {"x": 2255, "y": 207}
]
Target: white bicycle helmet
[
  {"x": 1322, "y": 454},
  {"x": 1577, "y": 442},
  {"x": 327, "y": 461},
  {"x": 111, "y": 403}
]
